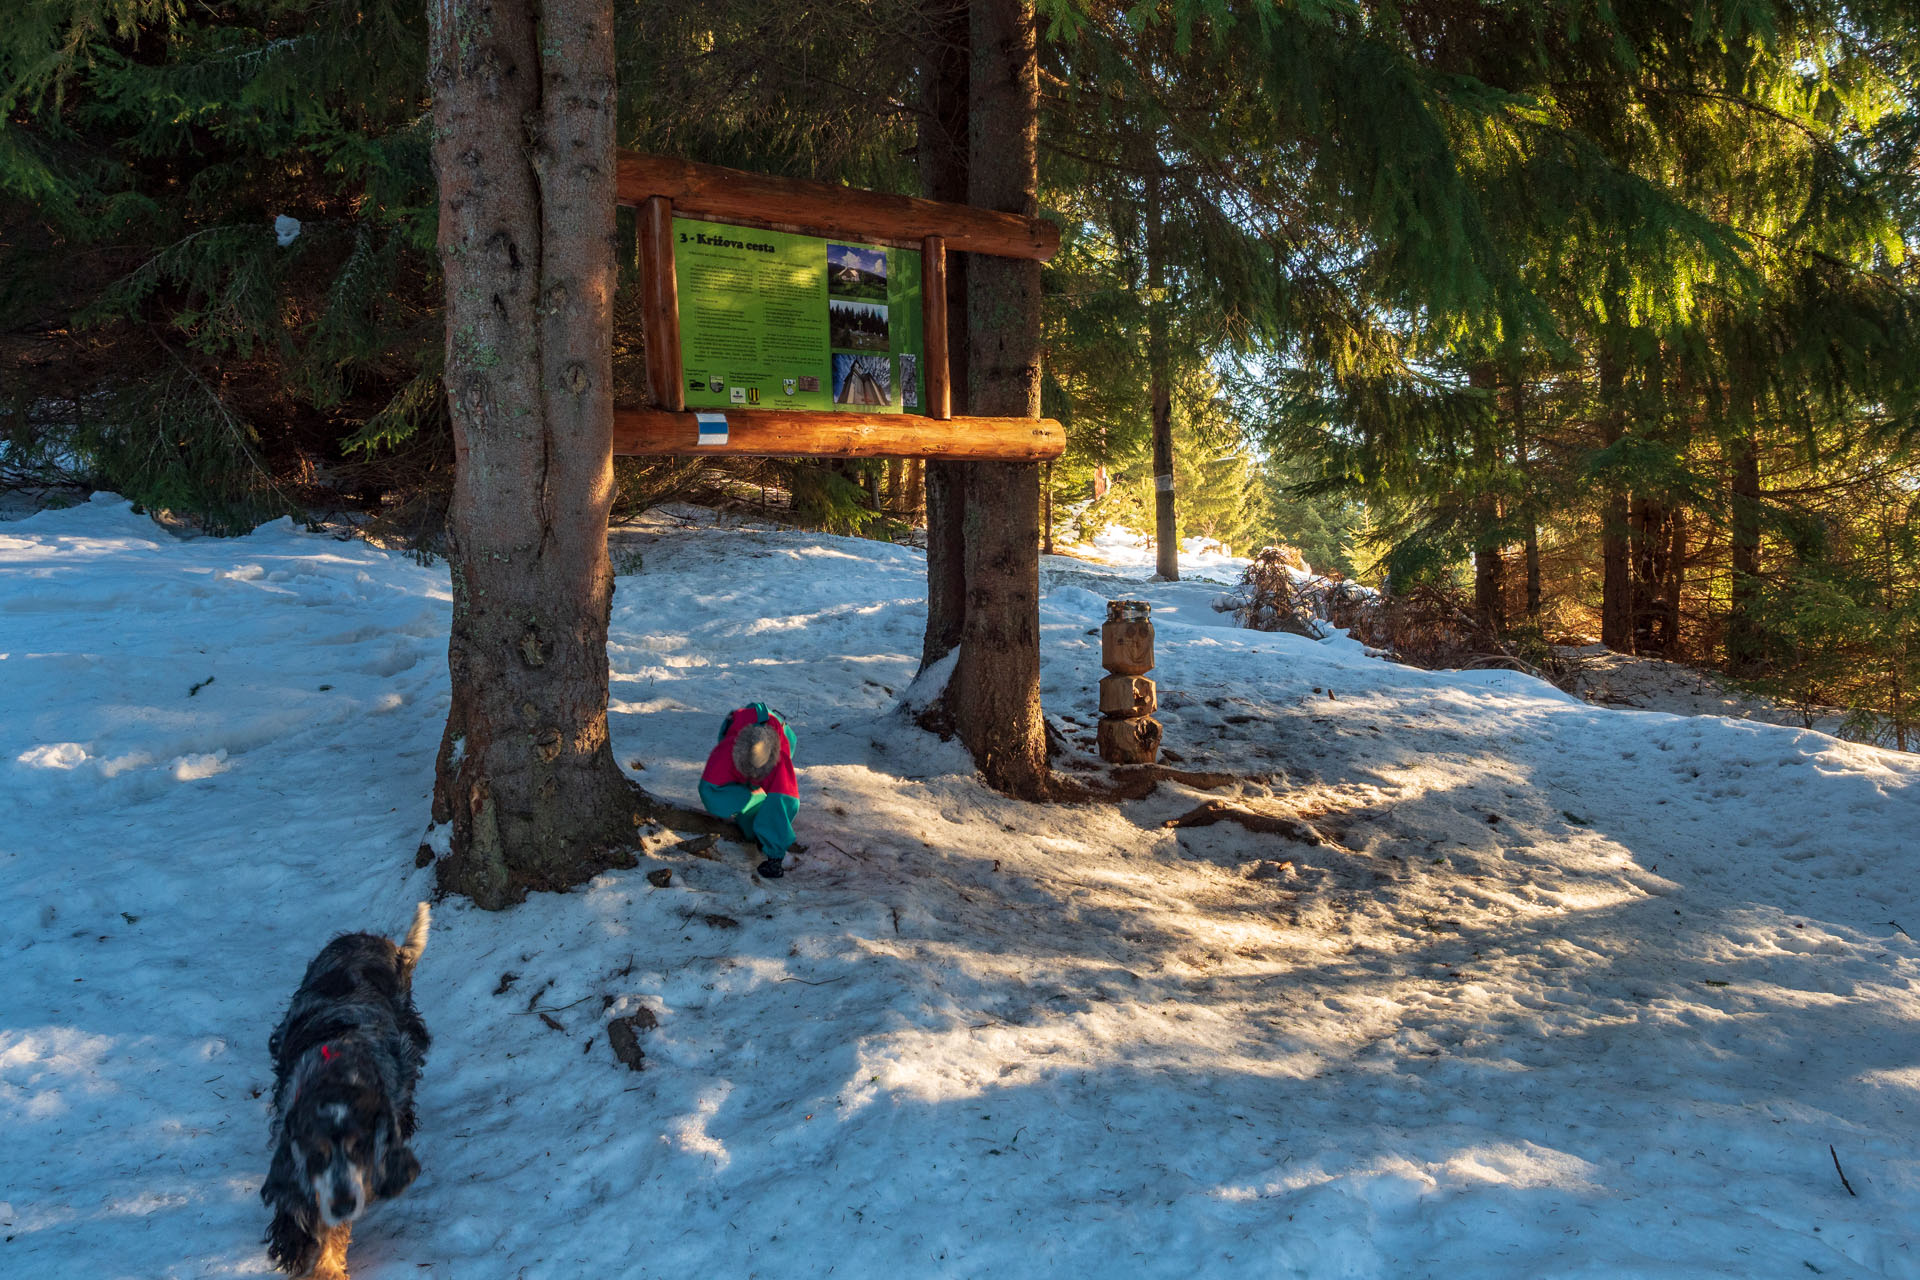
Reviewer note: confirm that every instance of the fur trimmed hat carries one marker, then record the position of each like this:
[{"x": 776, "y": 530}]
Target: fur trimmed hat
[{"x": 756, "y": 750}]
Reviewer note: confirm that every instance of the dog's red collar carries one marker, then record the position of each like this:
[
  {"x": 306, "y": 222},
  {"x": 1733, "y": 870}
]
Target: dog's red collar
[{"x": 326, "y": 1053}]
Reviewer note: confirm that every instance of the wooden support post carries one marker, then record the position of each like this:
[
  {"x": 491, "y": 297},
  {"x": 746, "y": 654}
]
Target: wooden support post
[
  {"x": 934, "y": 377},
  {"x": 660, "y": 304}
]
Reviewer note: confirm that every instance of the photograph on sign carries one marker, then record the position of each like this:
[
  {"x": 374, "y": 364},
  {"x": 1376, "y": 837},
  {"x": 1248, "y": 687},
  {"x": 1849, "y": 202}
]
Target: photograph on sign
[
  {"x": 856, "y": 326},
  {"x": 853, "y": 272},
  {"x": 770, "y": 319},
  {"x": 862, "y": 382}
]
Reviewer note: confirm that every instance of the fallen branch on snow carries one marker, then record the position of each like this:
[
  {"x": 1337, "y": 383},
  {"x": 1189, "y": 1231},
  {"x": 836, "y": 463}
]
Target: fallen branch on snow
[
  {"x": 1837, "y": 1169},
  {"x": 1252, "y": 819}
]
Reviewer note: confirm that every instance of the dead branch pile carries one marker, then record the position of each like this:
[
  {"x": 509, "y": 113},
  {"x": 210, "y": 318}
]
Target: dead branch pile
[
  {"x": 1273, "y": 596},
  {"x": 1429, "y": 627}
]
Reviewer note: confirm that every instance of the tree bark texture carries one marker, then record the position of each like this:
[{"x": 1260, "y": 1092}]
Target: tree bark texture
[
  {"x": 1166, "y": 531},
  {"x": 995, "y": 692},
  {"x": 1743, "y": 623},
  {"x": 523, "y": 114},
  {"x": 943, "y": 176}
]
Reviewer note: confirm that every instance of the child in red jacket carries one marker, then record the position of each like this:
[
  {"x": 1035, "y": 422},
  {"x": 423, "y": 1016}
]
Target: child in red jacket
[{"x": 750, "y": 778}]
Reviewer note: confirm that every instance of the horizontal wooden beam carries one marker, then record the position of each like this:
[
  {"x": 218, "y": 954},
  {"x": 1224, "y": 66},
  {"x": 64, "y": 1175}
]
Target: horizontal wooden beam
[
  {"x": 777, "y": 433},
  {"x": 821, "y": 208}
]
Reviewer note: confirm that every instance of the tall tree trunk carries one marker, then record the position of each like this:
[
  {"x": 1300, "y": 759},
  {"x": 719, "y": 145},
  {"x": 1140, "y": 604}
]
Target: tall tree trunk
[
  {"x": 1046, "y": 510},
  {"x": 1166, "y": 532},
  {"x": 1644, "y": 526},
  {"x": 1673, "y": 583},
  {"x": 523, "y": 113},
  {"x": 897, "y": 485},
  {"x": 943, "y": 176},
  {"x": 1489, "y": 579},
  {"x": 995, "y": 693},
  {"x": 1743, "y": 621},
  {"x": 1523, "y": 459},
  {"x": 1616, "y": 583},
  {"x": 916, "y": 490},
  {"x": 1658, "y": 541},
  {"x": 1533, "y": 571}
]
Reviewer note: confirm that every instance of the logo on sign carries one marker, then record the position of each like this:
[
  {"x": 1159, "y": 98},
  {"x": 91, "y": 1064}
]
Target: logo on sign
[
  {"x": 790, "y": 385},
  {"x": 716, "y": 385},
  {"x": 737, "y": 394}
]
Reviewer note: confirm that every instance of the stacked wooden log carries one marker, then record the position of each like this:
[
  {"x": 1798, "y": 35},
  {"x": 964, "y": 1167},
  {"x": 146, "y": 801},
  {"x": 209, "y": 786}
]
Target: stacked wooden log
[{"x": 1128, "y": 733}]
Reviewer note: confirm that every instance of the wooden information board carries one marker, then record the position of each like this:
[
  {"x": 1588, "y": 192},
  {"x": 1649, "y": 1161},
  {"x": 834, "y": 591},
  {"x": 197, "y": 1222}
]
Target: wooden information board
[{"x": 801, "y": 319}]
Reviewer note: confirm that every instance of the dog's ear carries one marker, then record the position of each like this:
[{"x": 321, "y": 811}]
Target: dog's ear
[
  {"x": 283, "y": 1183},
  {"x": 292, "y": 1244},
  {"x": 397, "y": 1171},
  {"x": 416, "y": 1028},
  {"x": 398, "y": 1166}
]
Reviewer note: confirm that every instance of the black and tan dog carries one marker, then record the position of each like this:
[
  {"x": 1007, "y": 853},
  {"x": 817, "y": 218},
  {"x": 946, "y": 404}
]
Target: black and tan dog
[{"x": 345, "y": 1059}]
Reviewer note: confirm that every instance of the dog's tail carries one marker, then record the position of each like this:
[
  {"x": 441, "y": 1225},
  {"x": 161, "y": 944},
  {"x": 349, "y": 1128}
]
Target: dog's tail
[{"x": 416, "y": 939}]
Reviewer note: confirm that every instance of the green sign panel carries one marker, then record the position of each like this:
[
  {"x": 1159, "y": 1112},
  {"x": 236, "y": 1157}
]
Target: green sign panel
[{"x": 776, "y": 321}]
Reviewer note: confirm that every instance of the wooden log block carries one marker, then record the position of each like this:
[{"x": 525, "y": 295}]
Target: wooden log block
[
  {"x": 799, "y": 433},
  {"x": 1128, "y": 741},
  {"x": 1128, "y": 697},
  {"x": 1126, "y": 648},
  {"x": 821, "y": 208}
]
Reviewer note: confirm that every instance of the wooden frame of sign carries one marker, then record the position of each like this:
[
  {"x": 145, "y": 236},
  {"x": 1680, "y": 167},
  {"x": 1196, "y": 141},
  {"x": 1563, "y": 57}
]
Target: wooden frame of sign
[{"x": 660, "y": 188}]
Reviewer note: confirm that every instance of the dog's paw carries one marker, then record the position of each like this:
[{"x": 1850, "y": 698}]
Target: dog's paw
[{"x": 332, "y": 1262}]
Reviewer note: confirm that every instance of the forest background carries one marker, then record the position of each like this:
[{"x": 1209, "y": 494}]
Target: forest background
[{"x": 1599, "y": 317}]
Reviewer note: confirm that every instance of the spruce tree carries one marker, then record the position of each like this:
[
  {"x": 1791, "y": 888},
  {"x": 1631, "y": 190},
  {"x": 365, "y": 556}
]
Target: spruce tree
[
  {"x": 218, "y": 247},
  {"x": 523, "y": 114},
  {"x": 995, "y": 691}
]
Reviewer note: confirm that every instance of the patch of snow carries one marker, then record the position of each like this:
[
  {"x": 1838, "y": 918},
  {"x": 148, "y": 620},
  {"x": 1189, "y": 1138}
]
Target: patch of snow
[
  {"x": 1559, "y": 990},
  {"x": 55, "y": 755}
]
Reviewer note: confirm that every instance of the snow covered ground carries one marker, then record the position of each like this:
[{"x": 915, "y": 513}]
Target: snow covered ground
[
  {"x": 1120, "y": 563},
  {"x": 1563, "y": 990}
]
